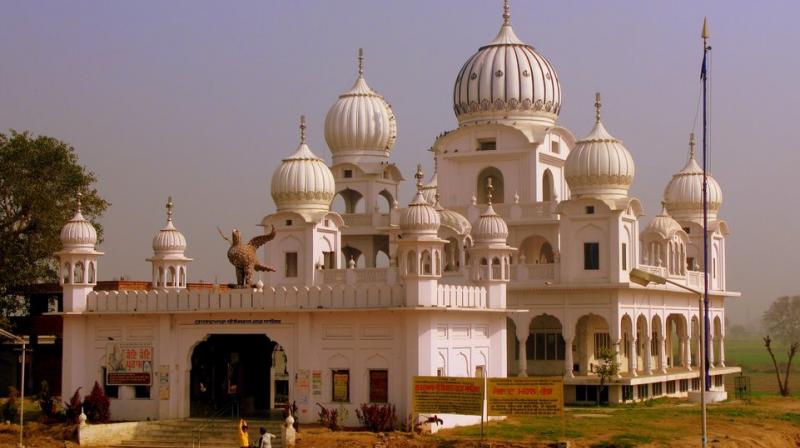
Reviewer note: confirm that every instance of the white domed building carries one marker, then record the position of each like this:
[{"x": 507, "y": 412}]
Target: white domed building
[{"x": 515, "y": 259}]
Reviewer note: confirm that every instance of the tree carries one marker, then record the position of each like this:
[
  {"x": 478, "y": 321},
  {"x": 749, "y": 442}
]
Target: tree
[
  {"x": 39, "y": 179},
  {"x": 607, "y": 367},
  {"x": 782, "y": 320}
]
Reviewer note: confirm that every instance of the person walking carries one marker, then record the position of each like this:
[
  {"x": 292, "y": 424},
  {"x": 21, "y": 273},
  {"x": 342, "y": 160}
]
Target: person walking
[
  {"x": 244, "y": 438},
  {"x": 265, "y": 441}
]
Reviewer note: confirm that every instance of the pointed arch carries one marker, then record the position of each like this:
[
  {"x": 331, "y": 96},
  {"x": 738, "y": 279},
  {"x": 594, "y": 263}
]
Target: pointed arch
[{"x": 498, "y": 197}]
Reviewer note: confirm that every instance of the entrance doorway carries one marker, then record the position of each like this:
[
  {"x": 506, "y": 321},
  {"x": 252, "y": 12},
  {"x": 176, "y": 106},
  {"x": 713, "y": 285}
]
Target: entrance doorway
[{"x": 237, "y": 370}]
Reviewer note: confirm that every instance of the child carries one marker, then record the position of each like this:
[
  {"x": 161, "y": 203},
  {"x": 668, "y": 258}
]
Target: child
[
  {"x": 265, "y": 441},
  {"x": 244, "y": 438}
]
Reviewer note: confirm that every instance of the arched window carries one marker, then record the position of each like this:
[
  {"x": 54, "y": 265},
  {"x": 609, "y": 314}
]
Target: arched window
[
  {"x": 426, "y": 263},
  {"x": 66, "y": 273},
  {"x": 171, "y": 276},
  {"x": 182, "y": 277},
  {"x": 91, "y": 278},
  {"x": 411, "y": 262},
  {"x": 161, "y": 281},
  {"x": 437, "y": 260},
  {"x": 496, "y": 269},
  {"x": 548, "y": 193},
  {"x": 77, "y": 275},
  {"x": 351, "y": 201},
  {"x": 497, "y": 182}
]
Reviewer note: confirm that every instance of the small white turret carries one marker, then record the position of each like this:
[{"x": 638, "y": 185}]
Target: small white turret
[
  {"x": 77, "y": 260},
  {"x": 169, "y": 262}
]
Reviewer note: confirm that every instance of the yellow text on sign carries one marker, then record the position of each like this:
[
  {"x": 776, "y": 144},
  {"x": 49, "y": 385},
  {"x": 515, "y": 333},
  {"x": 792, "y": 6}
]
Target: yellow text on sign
[
  {"x": 447, "y": 395},
  {"x": 525, "y": 396}
]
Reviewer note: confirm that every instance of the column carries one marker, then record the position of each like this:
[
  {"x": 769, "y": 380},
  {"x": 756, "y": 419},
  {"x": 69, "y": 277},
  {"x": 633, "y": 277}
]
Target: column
[
  {"x": 523, "y": 331},
  {"x": 618, "y": 355},
  {"x": 686, "y": 347},
  {"x": 722, "y": 351},
  {"x": 568, "y": 362},
  {"x": 648, "y": 357},
  {"x": 711, "y": 360},
  {"x": 633, "y": 354},
  {"x": 662, "y": 342}
]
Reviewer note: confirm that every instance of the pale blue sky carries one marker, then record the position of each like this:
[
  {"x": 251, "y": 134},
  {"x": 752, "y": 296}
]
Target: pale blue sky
[{"x": 201, "y": 99}]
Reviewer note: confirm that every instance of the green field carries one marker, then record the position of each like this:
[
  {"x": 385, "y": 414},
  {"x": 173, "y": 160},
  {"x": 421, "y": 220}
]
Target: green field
[{"x": 752, "y": 357}]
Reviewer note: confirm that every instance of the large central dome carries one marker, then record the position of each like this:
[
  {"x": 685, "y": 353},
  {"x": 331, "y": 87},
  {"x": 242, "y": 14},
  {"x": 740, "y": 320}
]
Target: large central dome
[{"x": 507, "y": 80}]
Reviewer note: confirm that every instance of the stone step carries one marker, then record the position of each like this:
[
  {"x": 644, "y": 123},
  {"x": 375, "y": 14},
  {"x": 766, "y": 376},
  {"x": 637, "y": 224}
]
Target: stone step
[{"x": 185, "y": 433}]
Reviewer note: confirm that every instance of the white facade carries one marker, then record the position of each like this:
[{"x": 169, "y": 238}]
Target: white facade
[{"x": 526, "y": 277}]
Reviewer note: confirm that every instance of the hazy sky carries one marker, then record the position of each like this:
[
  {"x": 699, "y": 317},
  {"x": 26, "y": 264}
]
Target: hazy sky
[{"x": 201, "y": 100}]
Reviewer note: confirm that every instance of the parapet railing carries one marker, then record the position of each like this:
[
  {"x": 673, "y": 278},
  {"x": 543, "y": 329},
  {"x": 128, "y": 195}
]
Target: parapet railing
[{"x": 458, "y": 296}]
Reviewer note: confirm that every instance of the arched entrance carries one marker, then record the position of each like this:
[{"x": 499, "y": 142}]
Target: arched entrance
[{"x": 244, "y": 370}]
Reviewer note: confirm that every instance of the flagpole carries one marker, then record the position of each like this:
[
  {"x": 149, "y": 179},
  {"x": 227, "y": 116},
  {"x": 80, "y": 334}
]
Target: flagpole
[{"x": 704, "y": 312}]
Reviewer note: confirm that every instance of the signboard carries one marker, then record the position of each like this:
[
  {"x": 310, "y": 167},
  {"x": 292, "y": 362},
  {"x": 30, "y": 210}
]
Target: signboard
[
  {"x": 129, "y": 364},
  {"x": 163, "y": 382},
  {"x": 542, "y": 396},
  {"x": 447, "y": 395},
  {"x": 341, "y": 385},
  {"x": 302, "y": 386},
  {"x": 316, "y": 382}
]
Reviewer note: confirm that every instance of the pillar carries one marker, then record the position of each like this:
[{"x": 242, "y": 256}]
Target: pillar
[
  {"x": 568, "y": 357},
  {"x": 618, "y": 356},
  {"x": 722, "y": 351},
  {"x": 686, "y": 354},
  {"x": 522, "y": 334},
  {"x": 632, "y": 357},
  {"x": 711, "y": 357},
  {"x": 662, "y": 345},
  {"x": 648, "y": 357}
]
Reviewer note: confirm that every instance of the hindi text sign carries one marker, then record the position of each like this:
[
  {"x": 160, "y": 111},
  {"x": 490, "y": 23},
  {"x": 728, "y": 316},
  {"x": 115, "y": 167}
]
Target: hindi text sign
[
  {"x": 129, "y": 364},
  {"x": 447, "y": 395},
  {"x": 542, "y": 396}
]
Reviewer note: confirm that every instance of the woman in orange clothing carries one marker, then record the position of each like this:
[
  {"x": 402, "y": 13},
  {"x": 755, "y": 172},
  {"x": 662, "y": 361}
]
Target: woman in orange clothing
[{"x": 244, "y": 438}]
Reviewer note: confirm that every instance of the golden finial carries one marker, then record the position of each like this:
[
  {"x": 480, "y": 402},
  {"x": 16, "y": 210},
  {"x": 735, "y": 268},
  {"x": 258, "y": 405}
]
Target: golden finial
[
  {"x": 597, "y": 105},
  {"x": 169, "y": 209},
  {"x": 360, "y": 62},
  {"x": 302, "y": 129},
  {"x": 489, "y": 190},
  {"x": 691, "y": 145},
  {"x": 418, "y": 175},
  {"x": 506, "y": 13},
  {"x": 78, "y": 201},
  {"x": 705, "y": 34}
]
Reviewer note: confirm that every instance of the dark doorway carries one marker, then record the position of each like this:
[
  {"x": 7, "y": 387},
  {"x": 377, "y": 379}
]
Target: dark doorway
[{"x": 231, "y": 370}]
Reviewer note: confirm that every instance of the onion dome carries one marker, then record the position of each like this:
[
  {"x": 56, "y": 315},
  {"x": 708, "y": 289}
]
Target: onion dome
[
  {"x": 169, "y": 240},
  {"x": 599, "y": 165},
  {"x": 303, "y": 182},
  {"x": 78, "y": 232},
  {"x": 452, "y": 220},
  {"x": 684, "y": 193},
  {"x": 507, "y": 80},
  {"x": 490, "y": 228},
  {"x": 663, "y": 224},
  {"x": 420, "y": 217},
  {"x": 361, "y": 121}
]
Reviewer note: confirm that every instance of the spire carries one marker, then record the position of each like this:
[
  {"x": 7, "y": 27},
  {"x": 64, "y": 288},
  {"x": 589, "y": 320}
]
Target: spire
[
  {"x": 418, "y": 175},
  {"x": 506, "y": 13},
  {"x": 691, "y": 145},
  {"x": 360, "y": 62},
  {"x": 597, "y": 105},
  {"x": 78, "y": 202},
  {"x": 705, "y": 34},
  {"x": 169, "y": 209},
  {"x": 664, "y": 211},
  {"x": 302, "y": 129}
]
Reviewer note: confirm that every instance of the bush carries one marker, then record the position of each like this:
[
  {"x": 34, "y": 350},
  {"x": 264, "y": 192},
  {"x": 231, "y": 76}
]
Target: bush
[
  {"x": 47, "y": 403},
  {"x": 72, "y": 408},
  {"x": 377, "y": 417},
  {"x": 10, "y": 409},
  {"x": 329, "y": 418},
  {"x": 96, "y": 405}
]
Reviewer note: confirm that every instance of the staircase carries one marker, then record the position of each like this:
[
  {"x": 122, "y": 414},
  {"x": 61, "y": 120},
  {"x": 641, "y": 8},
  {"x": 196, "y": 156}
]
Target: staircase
[{"x": 218, "y": 433}]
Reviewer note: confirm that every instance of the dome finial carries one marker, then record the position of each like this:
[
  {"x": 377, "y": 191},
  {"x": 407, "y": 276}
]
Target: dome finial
[
  {"x": 169, "y": 209},
  {"x": 418, "y": 175},
  {"x": 506, "y": 13},
  {"x": 705, "y": 34},
  {"x": 302, "y": 129},
  {"x": 664, "y": 208},
  {"x": 691, "y": 145},
  {"x": 360, "y": 62},
  {"x": 78, "y": 201},
  {"x": 597, "y": 105},
  {"x": 489, "y": 190}
]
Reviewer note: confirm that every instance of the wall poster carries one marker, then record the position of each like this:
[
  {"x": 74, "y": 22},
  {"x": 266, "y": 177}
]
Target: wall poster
[{"x": 129, "y": 364}]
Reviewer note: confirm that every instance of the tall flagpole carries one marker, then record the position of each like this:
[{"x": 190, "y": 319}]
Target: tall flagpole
[{"x": 706, "y": 321}]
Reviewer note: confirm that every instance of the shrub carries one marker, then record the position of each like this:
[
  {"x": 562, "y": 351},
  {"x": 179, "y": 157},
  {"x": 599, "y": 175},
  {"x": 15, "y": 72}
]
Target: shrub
[
  {"x": 329, "y": 418},
  {"x": 377, "y": 417},
  {"x": 96, "y": 405},
  {"x": 10, "y": 409},
  {"x": 47, "y": 403},
  {"x": 72, "y": 408}
]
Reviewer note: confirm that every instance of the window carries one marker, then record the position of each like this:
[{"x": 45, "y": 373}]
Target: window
[
  {"x": 670, "y": 387},
  {"x": 717, "y": 380},
  {"x": 658, "y": 389},
  {"x": 690, "y": 263},
  {"x": 624, "y": 256},
  {"x": 625, "y": 346},
  {"x": 643, "y": 391},
  {"x": 545, "y": 347},
  {"x": 110, "y": 391},
  {"x": 291, "y": 265},
  {"x": 627, "y": 393},
  {"x": 590, "y": 209},
  {"x": 378, "y": 386},
  {"x": 684, "y": 385},
  {"x": 591, "y": 256},
  {"x": 488, "y": 144},
  {"x": 713, "y": 268},
  {"x": 328, "y": 259},
  {"x": 288, "y": 222},
  {"x": 142, "y": 392},
  {"x": 340, "y": 386},
  {"x": 695, "y": 383},
  {"x": 602, "y": 341},
  {"x": 654, "y": 344},
  {"x": 440, "y": 371},
  {"x": 554, "y": 147},
  {"x": 348, "y": 174},
  {"x": 327, "y": 223}
]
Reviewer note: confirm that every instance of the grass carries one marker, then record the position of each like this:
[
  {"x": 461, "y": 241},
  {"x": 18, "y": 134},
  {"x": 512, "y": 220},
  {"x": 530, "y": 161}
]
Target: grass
[{"x": 752, "y": 357}]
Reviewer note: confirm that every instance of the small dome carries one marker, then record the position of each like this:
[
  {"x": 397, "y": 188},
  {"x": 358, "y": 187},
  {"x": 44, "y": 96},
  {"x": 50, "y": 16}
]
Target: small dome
[
  {"x": 303, "y": 181},
  {"x": 452, "y": 220},
  {"x": 360, "y": 121},
  {"x": 663, "y": 224},
  {"x": 684, "y": 192},
  {"x": 420, "y": 217},
  {"x": 507, "y": 80},
  {"x": 599, "y": 165},
  {"x": 490, "y": 227},
  {"x": 169, "y": 240},
  {"x": 78, "y": 232}
]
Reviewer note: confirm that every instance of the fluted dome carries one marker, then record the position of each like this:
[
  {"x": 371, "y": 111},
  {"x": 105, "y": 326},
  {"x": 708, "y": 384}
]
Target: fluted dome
[
  {"x": 78, "y": 232},
  {"x": 684, "y": 192},
  {"x": 303, "y": 182},
  {"x": 453, "y": 220},
  {"x": 490, "y": 228},
  {"x": 420, "y": 217},
  {"x": 169, "y": 240},
  {"x": 663, "y": 224},
  {"x": 599, "y": 165},
  {"x": 507, "y": 80},
  {"x": 360, "y": 122}
]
